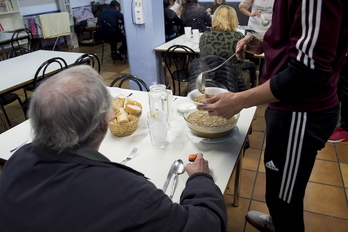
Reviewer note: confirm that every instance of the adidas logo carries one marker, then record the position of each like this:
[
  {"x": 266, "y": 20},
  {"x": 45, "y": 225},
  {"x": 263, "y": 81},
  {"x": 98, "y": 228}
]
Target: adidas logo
[{"x": 271, "y": 166}]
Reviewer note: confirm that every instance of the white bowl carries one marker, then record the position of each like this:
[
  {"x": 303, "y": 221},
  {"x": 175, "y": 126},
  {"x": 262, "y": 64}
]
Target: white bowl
[
  {"x": 208, "y": 90},
  {"x": 202, "y": 129}
]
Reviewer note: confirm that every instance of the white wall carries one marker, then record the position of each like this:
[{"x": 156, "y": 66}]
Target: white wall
[
  {"x": 29, "y": 7},
  {"x": 144, "y": 62}
]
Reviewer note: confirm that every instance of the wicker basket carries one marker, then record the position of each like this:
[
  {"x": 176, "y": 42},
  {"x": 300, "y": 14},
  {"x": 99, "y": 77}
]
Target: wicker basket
[{"x": 125, "y": 129}]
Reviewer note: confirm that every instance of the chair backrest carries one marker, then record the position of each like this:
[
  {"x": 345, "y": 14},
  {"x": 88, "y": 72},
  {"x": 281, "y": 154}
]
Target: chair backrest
[
  {"x": 90, "y": 59},
  {"x": 17, "y": 52},
  {"x": 129, "y": 77},
  {"x": 17, "y": 40},
  {"x": 43, "y": 73},
  {"x": 178, "y": 59},
  {"x": 226, "y": 77}
]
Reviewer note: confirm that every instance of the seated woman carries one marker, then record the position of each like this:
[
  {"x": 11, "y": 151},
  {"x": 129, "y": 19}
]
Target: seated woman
[
  {"x": 172, "y": 22},
  {"x": 215, "y": 5},
  {"x": 195, "y": 16},
  {"x": 223, "y": 36}
]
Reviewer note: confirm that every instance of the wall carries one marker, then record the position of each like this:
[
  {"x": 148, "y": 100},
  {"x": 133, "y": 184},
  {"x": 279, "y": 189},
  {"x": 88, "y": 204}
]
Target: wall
[
  {"x": 144, "y": 62},
  {"x": 30, "y": 7}
]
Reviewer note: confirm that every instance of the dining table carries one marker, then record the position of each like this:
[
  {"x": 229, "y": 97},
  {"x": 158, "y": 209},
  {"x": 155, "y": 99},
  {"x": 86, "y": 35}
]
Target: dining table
[
  {"x": 19, "y": 71},
  {"x": 224, "y": 154}
]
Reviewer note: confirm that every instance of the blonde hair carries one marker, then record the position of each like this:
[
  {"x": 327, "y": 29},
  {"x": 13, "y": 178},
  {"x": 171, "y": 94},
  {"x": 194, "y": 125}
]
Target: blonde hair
[{"x": 225, "y": 19}]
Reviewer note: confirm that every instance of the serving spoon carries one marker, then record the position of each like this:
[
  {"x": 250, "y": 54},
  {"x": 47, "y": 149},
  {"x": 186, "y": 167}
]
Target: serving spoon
[
  {"x": 265, "y": 22},
  {"x": 179, "y": 168},
  {"x": 200, "y": 81}
]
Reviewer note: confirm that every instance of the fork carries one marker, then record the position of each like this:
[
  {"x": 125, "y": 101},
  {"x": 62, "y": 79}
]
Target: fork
[{"x": 130, "y": 156}]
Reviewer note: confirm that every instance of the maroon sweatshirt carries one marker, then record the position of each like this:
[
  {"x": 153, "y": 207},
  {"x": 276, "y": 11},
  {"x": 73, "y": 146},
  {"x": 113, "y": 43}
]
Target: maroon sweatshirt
[{"x": 304, "y": 50}]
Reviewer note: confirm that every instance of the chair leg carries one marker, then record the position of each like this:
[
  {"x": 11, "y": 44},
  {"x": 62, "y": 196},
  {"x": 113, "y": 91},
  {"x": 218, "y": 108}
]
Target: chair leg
[
  {"x": 6, "y": 117},
  {"x": 102, "y": 51}
]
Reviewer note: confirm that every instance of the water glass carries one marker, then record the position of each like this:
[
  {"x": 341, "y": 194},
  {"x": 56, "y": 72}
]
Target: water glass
[
  {"x": 157, "y": 123},
  {"x": 188, "y": 33}
]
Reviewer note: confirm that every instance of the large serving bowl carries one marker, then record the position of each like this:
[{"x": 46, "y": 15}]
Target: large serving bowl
[
  {"x": 208, "y": 90},
  {"x": 203, "y": 125}
]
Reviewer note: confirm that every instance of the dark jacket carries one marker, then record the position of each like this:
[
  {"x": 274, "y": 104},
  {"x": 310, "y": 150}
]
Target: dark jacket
[
  {"x": 110, "y": 22},
  {"x": 195, "y": 16},
  {"x": 172, "y": 22},
  {"x": 41, "y": 190}
]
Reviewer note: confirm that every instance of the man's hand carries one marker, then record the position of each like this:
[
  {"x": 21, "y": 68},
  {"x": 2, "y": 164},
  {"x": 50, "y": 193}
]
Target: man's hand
[
  {"x": 225, "y": 105},
  {"x": 255, "y": 46},
  {"x": 199, "y": 165}
]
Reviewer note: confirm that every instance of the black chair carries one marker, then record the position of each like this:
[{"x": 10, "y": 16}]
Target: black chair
[
  {"x": 90, "y": 59},
  {"x": 44, "y": 73},
  {"x": 17, "y": 39},
  {"x": 178, "y": 59},
  {"x": 8, "y": 98},
  {"x": 226, "y": 77},
  {"x": 128, "y": 77},
  {"x": 17, "y": 52},
  {"x": 250, "y": 67}
]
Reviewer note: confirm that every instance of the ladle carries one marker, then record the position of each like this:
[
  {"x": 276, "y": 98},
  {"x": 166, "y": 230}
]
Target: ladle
[
  {"x": 179, "y": 168},
  {"x": 200, "y": 81},
  {"x": 265, "y": 22}
]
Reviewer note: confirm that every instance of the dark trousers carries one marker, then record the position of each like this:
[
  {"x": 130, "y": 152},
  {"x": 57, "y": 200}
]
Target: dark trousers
[
  {"x": 342, "y": 91},
  {"x": 293, "y": 140}
]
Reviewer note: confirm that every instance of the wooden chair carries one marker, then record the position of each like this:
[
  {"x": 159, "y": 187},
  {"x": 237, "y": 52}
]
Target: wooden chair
[
  {"x": 128, "y": 77},
  {"x": 90, "y": 59},
  {"x": 178, "y": 59}
]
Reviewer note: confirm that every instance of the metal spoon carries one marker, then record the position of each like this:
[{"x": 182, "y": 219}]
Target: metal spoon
[
  {"x": 179, "y": 168},
  {"x": 265, "y": 22},
  {"x": 200, "y": 81}
]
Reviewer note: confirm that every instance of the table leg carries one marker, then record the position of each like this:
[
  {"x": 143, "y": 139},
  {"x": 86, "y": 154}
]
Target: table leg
[{"x": 237, "y": 180}]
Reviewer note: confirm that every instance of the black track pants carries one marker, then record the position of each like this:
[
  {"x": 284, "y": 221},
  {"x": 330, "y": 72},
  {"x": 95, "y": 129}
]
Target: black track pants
[{"x": 292, "y": 142}]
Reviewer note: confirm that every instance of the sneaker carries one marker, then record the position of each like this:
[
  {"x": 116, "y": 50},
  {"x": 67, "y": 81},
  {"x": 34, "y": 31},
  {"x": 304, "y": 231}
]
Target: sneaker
[
  {"x": 339, "y": 135},
  {"x": 260, "y": 221}
]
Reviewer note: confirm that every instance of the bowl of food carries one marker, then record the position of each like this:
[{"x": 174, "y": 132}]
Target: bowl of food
[
  {"x": 196, "y": 97},
  {"x": 203, "y": 125}
]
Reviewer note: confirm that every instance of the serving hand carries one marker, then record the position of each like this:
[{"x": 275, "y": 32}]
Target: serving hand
[{"x": 249, "y": 44}]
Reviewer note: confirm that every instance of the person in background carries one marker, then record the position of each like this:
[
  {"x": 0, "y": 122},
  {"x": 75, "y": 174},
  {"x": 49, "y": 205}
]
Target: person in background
[
  {"x": 111, "y": 23},
  {"x": 304, "y": 56},
  {"x": 195, "y": 16},
  {"x": 174, "y": 6},
  {"x": 215, "y": 5},
  {"x": 341, "y": 133},
  {"x": 258, "y": 7},
  {"x": 222, "y": 38},
  {"x": 172, "y": 23},
  {"x": 60, "y": 182}
]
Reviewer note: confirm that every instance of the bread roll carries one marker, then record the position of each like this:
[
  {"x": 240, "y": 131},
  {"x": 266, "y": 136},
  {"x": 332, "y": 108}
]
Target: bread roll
[
  {"x": 137, "y": 104},
  {"x": 117, "y": 104},
  {"x": 132, "y": 109},
  {"x": 128, "y": 101},
  {"x": 122, "y": 119},
  {"x": 132, "y": 117}
]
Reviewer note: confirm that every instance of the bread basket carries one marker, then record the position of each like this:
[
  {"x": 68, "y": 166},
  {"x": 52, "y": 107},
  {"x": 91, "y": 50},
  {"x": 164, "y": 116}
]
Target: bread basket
[
  {"x": 127, "y": 114},
  {"x": 124, "y": 129}
]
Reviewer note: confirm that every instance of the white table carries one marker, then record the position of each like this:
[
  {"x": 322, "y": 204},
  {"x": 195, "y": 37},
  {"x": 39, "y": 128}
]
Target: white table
[
  {"x": 20, "y": 70},
  {"x": 181, "y": 40},
  {"x": 223, "y": 157}
]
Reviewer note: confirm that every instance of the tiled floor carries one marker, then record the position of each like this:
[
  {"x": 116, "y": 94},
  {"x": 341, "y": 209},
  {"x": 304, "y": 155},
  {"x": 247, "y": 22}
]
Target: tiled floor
[{"x": 326, "y": 201}]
